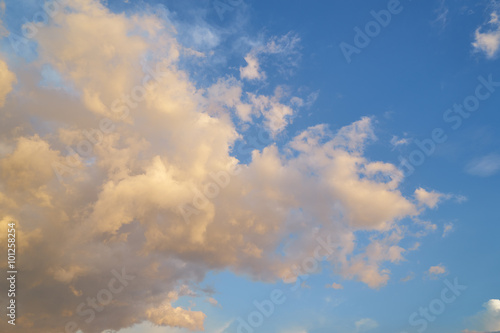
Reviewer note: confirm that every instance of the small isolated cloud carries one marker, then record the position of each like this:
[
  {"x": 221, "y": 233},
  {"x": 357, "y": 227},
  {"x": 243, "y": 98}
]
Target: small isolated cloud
[
  {"x": 448, "y": 227},
  {"x": 409, "y": 277},
  {"x": 429, "y": 198},
  {"x": 488, "y": 320},
  {"x": 396, "y": 141},
  {"x": 437, "y": 270},
  {"x": 335, "y": 286},
  {"x": 487, "y": 37},
  {"x": 365, "y": 324},
  {"x": 426, "y": 228},
  {"x": 485, "y": 166},
  {"x": 213, "y": 301},
  {"x": 252, "y": 70}
]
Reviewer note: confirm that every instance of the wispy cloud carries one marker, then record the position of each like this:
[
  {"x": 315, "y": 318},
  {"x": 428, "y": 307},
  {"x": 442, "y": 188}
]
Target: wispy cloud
[
  {"x": 442, "y": 14},
  {"x": 409, "y": 277},
  {"x": 447, "y": 229},
  {"x": 485, "y": 166},
  {"x": 396, "y": 141},
  {"x": 335, "y": 286},
  {"x": 365, "y": 324}
]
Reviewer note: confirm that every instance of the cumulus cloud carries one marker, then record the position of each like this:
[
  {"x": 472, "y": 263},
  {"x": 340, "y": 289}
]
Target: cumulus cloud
[
  {"x": 487, "y": 37},
  {"x": 488, "y": 320},
  {"x": 485, "y": 166},
  {"x": 131, "y": 170}
]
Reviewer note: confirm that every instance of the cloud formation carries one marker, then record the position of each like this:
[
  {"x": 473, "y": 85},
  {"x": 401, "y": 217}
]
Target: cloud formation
[{"x": 131, "y": 167}]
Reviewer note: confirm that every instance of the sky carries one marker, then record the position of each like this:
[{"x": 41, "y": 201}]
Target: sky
[{"x": 251, "y": 166}]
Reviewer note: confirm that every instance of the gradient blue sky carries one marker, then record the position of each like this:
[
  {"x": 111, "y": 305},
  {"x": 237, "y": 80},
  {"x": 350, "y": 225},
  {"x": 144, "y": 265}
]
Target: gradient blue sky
[{"x": 428, "y": 58}]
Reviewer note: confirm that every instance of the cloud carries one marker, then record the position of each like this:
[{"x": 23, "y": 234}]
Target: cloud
[
  {"x": 409, "y": 277},
  {"x": 282, "y": 52},
  {"x": 488, "y": 320},
  {"x": 213, "y": 301},
  {"x": 7, "y": 79},
  {"x": 447, "y": 229},
  {"x": 437, "y": 270},
  {"x": 488, "y": 41},
  {"x": 365, "y": 324},
  {"x": 442, "y": 14},
  {"x": 224, "y": 327},
  {"x": 485, "y": 166},
  {"x": 395, "y": 141},
  {"x": 429, "y": 198},
  {"x": 251, "y": 71},
  {"x": 335, "y": 286},
  {"x": 131, "y": 168}
]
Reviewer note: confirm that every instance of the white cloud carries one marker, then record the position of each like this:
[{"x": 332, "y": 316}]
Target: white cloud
[
  {"x": 365, "y": 324},
  {"x": 485, "y": 166},
  {"x": 488, "y": 320},
  {"x": 252, "y": 70},
  {"x": 488, "y": 41}
]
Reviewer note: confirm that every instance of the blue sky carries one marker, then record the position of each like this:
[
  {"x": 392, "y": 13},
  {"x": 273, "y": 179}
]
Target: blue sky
[{"x": 323, "y": 137}]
